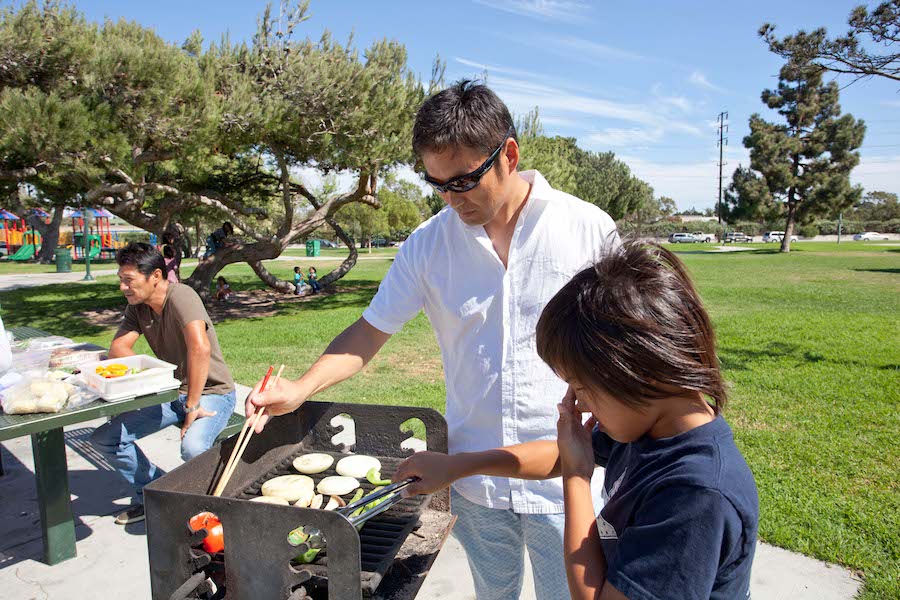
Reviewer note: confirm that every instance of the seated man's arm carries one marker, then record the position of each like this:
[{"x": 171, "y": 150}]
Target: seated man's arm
[
  {"x": 123, "y": 344},
  {"x": 198, "y": 353}
]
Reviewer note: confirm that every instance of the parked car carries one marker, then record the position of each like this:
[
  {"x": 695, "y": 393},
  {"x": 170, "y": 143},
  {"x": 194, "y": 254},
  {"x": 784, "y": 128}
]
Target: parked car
[
  {"x": 737, "y": 237},
  {"x": 682, "y": 238},
  {"x": 870, "y": 236},
  {"x": 776, "y": 236},
  {"x": 324, "y": 243},
  {"x": 704, "y": 237}
]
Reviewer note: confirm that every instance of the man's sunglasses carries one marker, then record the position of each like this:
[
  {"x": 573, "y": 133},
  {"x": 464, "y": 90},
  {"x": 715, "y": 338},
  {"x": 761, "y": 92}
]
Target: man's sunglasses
[{"x": 469, "y": 181}]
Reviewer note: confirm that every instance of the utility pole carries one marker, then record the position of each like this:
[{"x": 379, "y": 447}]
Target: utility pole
[{"x": 723, "y": 141}]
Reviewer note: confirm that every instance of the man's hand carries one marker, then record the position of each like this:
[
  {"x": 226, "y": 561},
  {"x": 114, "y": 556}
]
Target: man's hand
[
  {"x": 192, "y": 416},
  {"x": 280, "y": 399},
  {"x": 434, "y": 470},
  {"x": 576, "y": 452}
]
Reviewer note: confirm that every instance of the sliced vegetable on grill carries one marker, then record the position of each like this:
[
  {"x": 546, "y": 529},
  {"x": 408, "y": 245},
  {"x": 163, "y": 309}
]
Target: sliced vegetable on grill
[
  {"x": 374, "y": 477},
  {"x": 271, "y": 500},
  {"x": 337, "y": 485},
  {"x": 357, "y": 465},
  {"x": 289, "y": 487},
  {"x": 310, "y": 464},
  {"x": 316, "y": 501}
]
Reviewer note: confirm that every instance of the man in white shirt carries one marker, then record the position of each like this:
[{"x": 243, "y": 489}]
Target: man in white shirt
[{"x": 482, "y": 269}]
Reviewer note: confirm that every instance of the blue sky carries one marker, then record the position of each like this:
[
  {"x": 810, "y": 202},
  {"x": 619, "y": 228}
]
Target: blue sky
[{"x": 643, "y": 79}]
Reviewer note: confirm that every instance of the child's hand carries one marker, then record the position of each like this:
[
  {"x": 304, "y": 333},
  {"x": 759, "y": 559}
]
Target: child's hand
[
  {"x": 576, "y": 453},
  {"x": 434, "y": 470}
]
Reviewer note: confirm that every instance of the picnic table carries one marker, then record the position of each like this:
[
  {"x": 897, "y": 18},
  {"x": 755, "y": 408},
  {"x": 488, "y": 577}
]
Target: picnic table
[{"x": 49, "y": 449}]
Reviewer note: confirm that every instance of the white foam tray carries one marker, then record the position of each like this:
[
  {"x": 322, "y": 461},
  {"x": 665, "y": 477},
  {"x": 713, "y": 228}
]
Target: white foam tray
[{"x": 161, "y": 378}]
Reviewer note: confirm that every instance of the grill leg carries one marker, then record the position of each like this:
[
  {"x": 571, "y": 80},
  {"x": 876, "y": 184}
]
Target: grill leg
[{"x": 52, "y": 478}]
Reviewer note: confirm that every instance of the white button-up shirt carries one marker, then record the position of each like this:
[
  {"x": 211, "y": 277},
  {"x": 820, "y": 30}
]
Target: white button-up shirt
[{"x": 499, "y": 392}]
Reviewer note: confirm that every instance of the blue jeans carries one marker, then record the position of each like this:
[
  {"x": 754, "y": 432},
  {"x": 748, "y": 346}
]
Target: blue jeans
[
  {"x": 495, "y": 542},
  {"x": 115, "y": 439}
]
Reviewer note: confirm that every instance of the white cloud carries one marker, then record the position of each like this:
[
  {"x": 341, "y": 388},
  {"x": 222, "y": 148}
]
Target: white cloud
[
  {"x": 555, "y": 10},
  {"x": 589, "y": 50},
  {"x": 878, "y": 173},
  {"x": 700, "y": 80},
  {"x": 679, "y": 102},
  {"x": 891, "y": 103},
  {"x": 617, "y": 138}
]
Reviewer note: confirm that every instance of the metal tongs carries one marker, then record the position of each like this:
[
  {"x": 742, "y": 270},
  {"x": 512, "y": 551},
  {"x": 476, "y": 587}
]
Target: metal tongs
[
  {"x": 311, "y": 537},
  {"x": 392, "y": 490}
]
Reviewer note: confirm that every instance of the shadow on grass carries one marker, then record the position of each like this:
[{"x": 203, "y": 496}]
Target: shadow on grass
[
  {"x": 740, "y": 359},
  {"x": 894, "y": 271},
  {"x": 56, "y": 308}
]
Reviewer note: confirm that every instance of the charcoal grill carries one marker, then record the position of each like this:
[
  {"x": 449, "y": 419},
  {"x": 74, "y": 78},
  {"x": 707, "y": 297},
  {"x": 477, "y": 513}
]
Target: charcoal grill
[{"x": 387, "y": 559}]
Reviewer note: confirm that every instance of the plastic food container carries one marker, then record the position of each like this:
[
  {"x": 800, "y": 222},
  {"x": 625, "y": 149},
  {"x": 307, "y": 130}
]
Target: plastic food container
[{"x": 155, "y": 376}]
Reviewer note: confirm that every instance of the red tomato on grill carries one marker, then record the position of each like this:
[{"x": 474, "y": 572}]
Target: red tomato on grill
[{"x": 214, "y": 540}]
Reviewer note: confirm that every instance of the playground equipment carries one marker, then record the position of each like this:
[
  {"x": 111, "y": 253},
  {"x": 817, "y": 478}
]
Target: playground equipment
[
  {"x": 19, "y": 241},
  {"x": 101, "y": 239}
]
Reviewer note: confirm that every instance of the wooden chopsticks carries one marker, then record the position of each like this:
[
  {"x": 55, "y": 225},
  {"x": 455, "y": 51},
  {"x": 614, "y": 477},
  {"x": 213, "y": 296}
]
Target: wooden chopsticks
[{"x": 244, "y": 437}]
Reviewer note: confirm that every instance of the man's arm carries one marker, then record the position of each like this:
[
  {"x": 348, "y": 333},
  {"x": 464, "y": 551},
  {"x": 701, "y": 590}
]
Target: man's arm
[
  {"x": 347, "y": 354},
  {"x": 198, "y": 353},
  {"x": 123, "y": 344}
]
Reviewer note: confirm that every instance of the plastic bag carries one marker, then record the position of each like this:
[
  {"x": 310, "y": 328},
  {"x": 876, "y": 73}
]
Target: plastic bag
[
  {"x": 5, "y": 351},
  {"x": 35, "y": 395},
  {"x": 81, "y": 394}
]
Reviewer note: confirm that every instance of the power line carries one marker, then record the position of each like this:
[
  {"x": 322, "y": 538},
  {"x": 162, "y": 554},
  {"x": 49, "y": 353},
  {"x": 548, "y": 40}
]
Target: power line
[{"x": 723, "y": 128}]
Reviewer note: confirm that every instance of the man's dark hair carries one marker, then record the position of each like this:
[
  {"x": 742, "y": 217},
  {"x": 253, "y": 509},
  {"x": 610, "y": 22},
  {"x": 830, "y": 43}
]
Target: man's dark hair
[
  {"x": 143, "y": 257},
  {"x": 465, "y": 115},
  {"x": 633, "y": 326}
]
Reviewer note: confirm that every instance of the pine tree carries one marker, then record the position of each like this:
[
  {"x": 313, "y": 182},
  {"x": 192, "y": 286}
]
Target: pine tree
[{"x": 804, "y": 164}]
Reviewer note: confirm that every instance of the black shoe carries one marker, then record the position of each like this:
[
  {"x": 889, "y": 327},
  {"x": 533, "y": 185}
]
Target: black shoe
[{"x": 134, "y": 514}]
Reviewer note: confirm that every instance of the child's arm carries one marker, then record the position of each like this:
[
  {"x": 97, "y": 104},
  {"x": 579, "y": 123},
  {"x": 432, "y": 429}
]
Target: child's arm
[
  {"x": 583, "y": 552},
  {"x": 532, "y": 460}
]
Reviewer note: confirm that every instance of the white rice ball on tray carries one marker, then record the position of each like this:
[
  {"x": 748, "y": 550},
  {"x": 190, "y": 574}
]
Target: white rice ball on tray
[
  {"x": 337, "y": 485},
  {"x": 357, "y": 465},
  {"x": 289, "y": 487}
]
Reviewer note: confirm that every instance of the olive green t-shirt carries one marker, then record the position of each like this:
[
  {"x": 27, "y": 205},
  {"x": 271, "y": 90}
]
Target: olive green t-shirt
[{"x": 165, "y": 334}]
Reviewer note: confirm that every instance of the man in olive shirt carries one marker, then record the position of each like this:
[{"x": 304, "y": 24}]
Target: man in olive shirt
[{"x": 173, "y": 319}]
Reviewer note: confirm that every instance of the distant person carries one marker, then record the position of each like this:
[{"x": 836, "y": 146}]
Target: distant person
[
  {"x": 299, "y": 283},
  {"x": 223, "y": 290},
  {"x": 169, "y": 240},
  {"x": 217, "y": 238},
  {"x": 171, "y": 263},
  {"x": 179, "y": 331},
  {"x": 314, "y": 280}
]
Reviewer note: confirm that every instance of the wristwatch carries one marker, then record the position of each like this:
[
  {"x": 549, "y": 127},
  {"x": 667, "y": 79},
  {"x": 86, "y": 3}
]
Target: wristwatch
[{"x": 190, "y": 409}]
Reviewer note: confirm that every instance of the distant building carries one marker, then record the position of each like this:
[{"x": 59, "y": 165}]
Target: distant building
[{"x": 693, "y": 218}]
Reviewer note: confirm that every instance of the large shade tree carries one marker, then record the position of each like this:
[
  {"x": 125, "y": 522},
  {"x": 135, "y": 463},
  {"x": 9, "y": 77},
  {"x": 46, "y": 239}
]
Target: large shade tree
[{"x": 155, "y": 132}]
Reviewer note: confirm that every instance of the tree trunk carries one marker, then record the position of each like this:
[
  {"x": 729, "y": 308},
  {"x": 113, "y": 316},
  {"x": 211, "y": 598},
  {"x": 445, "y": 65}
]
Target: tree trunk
[
  {"x": 788, "y": 228},
  {"x": 348, "y": 262},
  {"x": 207, "y": 269},
  {"x": 50, "y": 234},
  {"x": 270, "y": 280}
]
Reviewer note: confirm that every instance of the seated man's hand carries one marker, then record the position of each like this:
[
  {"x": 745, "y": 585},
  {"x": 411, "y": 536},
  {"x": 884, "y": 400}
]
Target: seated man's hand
[{"x": 434, "y": 470}]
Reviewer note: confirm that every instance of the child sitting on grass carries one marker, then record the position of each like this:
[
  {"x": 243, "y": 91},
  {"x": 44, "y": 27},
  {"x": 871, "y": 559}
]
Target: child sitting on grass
[
  {"x": 223, "y": 290},
  {"x": 299, "y": 284},
  {"x": 631, "y": 338}
]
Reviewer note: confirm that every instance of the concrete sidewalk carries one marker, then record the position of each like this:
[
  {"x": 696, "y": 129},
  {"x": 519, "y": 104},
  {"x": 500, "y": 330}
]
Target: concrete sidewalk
[
  {"x": 27, "y": 280},
  {"x": 116, "y": 557}
]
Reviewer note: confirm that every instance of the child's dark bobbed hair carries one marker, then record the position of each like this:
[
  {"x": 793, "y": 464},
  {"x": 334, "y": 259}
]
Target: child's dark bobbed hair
[{"x": 633, "y": 326}]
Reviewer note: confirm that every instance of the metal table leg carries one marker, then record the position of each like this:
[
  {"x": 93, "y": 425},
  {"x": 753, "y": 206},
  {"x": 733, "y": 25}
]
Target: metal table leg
[{"x": 52, "y": 475}]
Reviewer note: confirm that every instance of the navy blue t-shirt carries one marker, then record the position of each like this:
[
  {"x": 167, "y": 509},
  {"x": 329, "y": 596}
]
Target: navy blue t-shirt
[{"x": 681, "y": 515}]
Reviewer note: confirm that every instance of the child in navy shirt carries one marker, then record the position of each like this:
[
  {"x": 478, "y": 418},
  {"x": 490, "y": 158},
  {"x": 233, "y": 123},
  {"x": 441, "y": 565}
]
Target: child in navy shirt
[{"x": 631, "y": 338}]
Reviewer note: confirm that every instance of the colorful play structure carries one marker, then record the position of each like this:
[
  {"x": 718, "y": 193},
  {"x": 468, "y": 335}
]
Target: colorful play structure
[
  {"x": 21, "y": 243},
  {"x": 103, "y": 243}
]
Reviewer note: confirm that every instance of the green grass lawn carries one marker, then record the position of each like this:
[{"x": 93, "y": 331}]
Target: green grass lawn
[{"x": 810, "y": 345}]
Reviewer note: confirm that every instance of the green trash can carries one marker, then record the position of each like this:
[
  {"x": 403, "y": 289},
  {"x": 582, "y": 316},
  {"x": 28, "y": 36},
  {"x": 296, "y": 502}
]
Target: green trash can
[
  {"x": 313, "y": 247},
  {"x": 63, "y": 260}
]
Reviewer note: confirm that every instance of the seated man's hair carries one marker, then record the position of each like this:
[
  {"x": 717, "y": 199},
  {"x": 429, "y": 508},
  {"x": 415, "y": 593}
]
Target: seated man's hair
[
  {"x": 143, "y": 257},
  {"x": 633, "y": 326}
]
